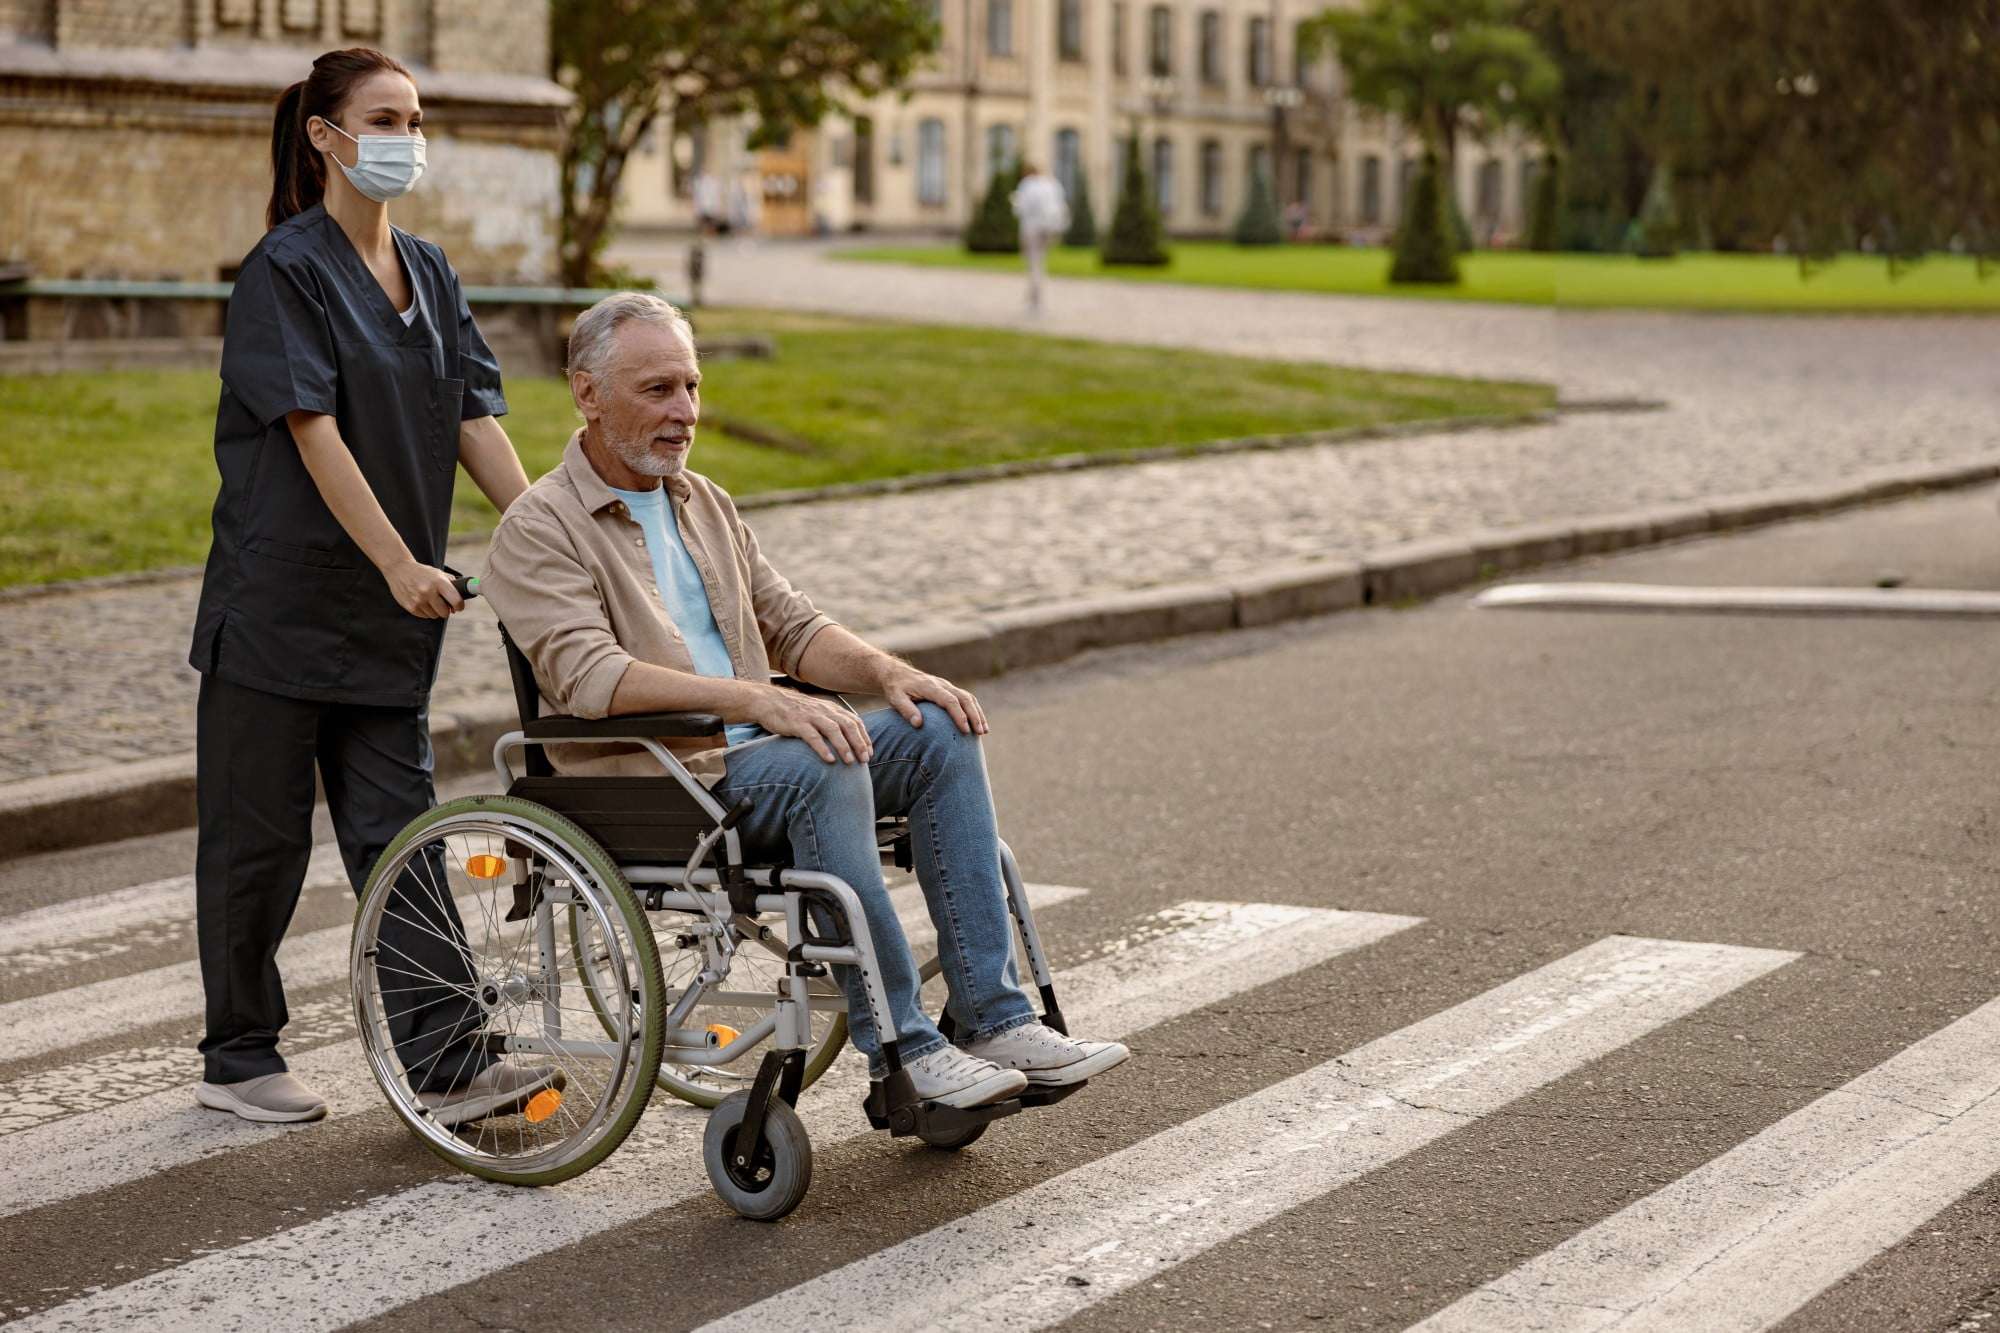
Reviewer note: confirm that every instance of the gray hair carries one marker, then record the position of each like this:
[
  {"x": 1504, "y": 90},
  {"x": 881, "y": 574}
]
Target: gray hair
[{"x": 590, "y": 338}]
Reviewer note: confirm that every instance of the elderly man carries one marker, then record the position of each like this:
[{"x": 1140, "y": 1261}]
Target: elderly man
[{"x": 633, "y": 587}]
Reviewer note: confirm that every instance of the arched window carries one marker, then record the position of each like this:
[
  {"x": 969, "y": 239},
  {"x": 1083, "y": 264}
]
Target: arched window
[
  {"x": 1000, "y": 27},
  {"x": 1371, "y": 190},
  {"x": 930, "y": 163},
  {"x": 1069, "y": 29},
  {"x": 1160, "y": 40},
  {"x": 1211, "y": 47},
  {"x": 1069, "y": 160},
  {"x": 1260, "y": 52},
  {"x": 1211, "y": 177},
  {"x": 1000, "y": 149},
  {"x": 1163, "y": 174}
]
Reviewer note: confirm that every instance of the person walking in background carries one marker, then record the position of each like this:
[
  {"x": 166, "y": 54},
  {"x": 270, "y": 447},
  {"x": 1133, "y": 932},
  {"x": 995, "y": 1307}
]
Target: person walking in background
[
  {"x": 354, "y": 382},
  {"x": 1043, "y": 211}
]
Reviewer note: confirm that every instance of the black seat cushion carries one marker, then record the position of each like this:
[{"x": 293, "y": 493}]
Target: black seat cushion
[{"x": 625, "y": 726}]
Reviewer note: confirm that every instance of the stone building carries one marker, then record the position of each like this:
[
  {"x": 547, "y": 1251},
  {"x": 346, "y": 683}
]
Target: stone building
[
  {"x": 135, "y": 135},
  {"x": 1215, "y": 89}
]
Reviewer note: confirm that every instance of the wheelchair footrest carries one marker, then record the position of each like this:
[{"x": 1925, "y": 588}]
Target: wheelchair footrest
[
  {"x": 933, "y": 1118},
  {"x": 1034, "y": 1095}
]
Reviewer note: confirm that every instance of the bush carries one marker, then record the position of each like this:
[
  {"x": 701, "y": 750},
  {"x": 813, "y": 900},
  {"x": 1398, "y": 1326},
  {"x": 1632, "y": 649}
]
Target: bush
[
  {"x": 1424, "y": 250},
  {"x": 1082, "y": 221},
  {"x": 1545, "y": 221},
  {"x": 1258, "y": 223},
  {"x": 1135, "y": 226},
  {"x": 1657, "y": 231},
  {"x": 994, "y": 230}
]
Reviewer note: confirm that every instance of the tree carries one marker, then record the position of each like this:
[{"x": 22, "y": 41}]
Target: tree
[
  {"x": 1258, "y": 223},
  {"x": 1827, "y": 125},
  {"x": 784, "y": 62},
  {"x": 1442, "y": 65},
  {"x": 994, "y": 230},
  {"x": 1659, "y": 224},
  {"x": 1424, "y": 249},
  {"x": 1135, "y": 226},
  {"x": 1545, "y": 221},
  {"x": 1082, "y": 231}
]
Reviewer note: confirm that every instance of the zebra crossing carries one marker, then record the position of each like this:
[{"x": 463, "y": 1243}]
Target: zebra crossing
[{"x": 1743, "y": 1240}]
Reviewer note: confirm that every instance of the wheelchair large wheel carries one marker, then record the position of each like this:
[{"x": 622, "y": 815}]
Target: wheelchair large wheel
[
  {"x": 457, "y": 961},
  {"x": 685, "y": 944}
]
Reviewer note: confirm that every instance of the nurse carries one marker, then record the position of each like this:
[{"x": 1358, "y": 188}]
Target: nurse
[{"x": 354, "y": 382}]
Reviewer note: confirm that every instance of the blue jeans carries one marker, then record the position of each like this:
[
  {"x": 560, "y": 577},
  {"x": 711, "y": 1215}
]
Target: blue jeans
[{"x": 821, "y": 816}]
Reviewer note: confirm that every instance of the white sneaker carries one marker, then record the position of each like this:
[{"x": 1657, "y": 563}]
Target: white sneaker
[
  {"x": 950, "y": 1076},
  {"x": 1046, "y": 1056}
]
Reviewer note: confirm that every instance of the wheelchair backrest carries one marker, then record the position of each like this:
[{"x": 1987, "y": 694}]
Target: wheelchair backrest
[{"x": 527, "y": 702}]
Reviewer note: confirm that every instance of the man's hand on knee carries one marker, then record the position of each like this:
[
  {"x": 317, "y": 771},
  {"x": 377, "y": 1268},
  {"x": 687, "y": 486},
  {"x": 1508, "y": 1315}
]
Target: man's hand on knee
[
  {"x": 905, "y": 688},
  {"x": 835, "y": 734}
]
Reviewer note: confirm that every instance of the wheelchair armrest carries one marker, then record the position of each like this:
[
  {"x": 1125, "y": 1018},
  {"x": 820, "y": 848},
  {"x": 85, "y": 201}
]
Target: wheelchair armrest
[
  {"x": 785, "y": 682},
  {"x": 626, "y": 726}
]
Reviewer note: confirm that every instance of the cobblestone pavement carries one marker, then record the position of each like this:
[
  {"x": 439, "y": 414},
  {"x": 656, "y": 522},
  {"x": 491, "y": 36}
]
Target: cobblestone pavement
[{"x": 99, "y": 677}]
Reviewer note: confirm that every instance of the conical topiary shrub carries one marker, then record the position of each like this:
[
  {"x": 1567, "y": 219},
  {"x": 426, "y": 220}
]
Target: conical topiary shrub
[
  {"x": 1258, "y": 223},
  {"x": 1545, "y": 222},
  {"x": 1659, "y": 223},
  {"x": 1135, "y": 226},
  {"x": 994, "y": 230},
  {"x": 1082, "y": 222},
  {"x": 1424, "y": 251}
]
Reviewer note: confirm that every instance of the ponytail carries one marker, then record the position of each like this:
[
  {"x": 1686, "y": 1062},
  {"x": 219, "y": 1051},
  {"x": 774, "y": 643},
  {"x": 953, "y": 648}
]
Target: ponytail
[{"x": 298, "y": 175}]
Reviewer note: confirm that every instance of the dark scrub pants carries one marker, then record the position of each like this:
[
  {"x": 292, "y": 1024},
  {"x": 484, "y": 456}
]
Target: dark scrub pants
[{"x": 307, "y": 661}]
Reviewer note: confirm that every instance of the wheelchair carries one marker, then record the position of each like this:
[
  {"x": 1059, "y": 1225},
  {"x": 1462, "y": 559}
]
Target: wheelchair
[{"x": 520, "y": 928}]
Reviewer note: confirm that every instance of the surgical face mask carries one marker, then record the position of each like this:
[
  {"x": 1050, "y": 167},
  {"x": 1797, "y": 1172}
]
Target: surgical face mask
[{"x": 386, "y": 166}]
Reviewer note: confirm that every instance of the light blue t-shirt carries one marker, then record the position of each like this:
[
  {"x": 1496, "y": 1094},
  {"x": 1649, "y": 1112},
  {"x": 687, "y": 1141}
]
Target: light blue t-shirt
[{"x": 682, "y": 590}]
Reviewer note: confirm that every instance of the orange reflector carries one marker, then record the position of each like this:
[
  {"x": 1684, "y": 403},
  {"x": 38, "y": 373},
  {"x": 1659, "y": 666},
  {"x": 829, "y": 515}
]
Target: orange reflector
[
  {"x": 541, "y": 1106},
  {"x": 485, "y": 866},
  {"x": 723, "y": 1033}
]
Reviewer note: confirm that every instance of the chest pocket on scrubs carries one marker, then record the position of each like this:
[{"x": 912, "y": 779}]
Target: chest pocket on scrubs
[{"x": 447, "y": 397}]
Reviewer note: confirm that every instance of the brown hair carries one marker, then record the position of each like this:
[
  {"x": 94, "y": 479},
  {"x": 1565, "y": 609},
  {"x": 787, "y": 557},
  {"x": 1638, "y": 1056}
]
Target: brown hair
[{"x": 298, "y": 176}]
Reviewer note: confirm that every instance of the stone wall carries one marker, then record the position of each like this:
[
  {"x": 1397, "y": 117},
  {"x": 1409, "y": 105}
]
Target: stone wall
[{"x": 135, "y": 134}]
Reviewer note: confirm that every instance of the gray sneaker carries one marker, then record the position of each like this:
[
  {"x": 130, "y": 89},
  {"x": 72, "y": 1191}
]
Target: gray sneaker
[
  {"x": 498, "y": 1089},
  {"x": 270, "y": 1099}
]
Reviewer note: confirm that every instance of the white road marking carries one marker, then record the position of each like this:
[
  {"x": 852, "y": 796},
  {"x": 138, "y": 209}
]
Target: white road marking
[
  {"x": 392, "y": 1250},
  {"x": 1742, "y": 1241},
  {"x": 141, "y": 1134},
  {"x": 1766, "y": 601},
  {"x": 1041, "y": 1256}
]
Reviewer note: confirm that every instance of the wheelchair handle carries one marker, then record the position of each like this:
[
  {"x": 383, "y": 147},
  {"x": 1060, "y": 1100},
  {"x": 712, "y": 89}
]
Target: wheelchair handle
[
  {"x": 467, "y": 586},
  {"x": 736, "y": 813}
]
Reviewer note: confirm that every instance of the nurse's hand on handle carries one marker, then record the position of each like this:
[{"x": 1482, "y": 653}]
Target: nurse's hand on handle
[{"x": 423, "y": 590}]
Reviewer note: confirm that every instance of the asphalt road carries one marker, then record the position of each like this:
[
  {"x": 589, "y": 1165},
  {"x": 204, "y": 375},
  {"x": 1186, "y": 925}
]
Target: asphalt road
[{"x": 1771, "y": 840}]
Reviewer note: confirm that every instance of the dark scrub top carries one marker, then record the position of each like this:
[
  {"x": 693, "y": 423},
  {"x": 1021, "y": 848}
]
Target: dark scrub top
[{"x": 289, "y": 604}]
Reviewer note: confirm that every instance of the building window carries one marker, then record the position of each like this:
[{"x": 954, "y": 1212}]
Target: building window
[
  {"x": 1211, "y": 178},
  {"x": 1301, "y": 62},
  {"x": 1163, "y": 174},
  {"x": 1260, "y": 53},
  {"x": 1160, "y": 41},
  {"x": 1260, "y": 166},
  {"x": 1000, "y": 150},
  {"x": 1302, "y": 176},
  {"x": 1371, "y": 190},
  {"x": 1211, "y": 47},
  {"x": 1000, "y": 27},
  {"x": 1118, "y": 59},
  {"x": 1406, "y": 177},
  {"x": 930, "y": 163},
  {"x": 1069, "y": 161},
  {"x": 1069, "y": 29},
  {"x": 1489, "y": 190},
  {"x": 864, "y": 160}
]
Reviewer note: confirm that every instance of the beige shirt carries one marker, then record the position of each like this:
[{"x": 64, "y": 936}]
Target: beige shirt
[{"x": 570, "y": 575}]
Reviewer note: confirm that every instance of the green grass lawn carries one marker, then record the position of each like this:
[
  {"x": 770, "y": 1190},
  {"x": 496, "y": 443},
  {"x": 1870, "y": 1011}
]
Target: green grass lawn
[
  {"x": 103, "y": 473},
  {"x": 1689, "y": 282}
]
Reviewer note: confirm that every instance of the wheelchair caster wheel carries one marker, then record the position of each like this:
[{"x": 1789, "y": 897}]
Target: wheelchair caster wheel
[
  {"x": 767, "y": 1188},
  {"x": 952, "y": 1141}
]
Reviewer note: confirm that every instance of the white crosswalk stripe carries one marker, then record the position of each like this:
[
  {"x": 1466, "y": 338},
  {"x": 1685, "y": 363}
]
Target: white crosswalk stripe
[
  {"x": 138, "y": 1136},
  {"x": 1744, "y": 1240},
  {"x": 393, "y": 1250},
  {"x": 1042, "y": 1255}
]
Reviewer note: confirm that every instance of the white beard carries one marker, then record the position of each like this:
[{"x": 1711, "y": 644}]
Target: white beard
[{"x": 637, "y": 455}]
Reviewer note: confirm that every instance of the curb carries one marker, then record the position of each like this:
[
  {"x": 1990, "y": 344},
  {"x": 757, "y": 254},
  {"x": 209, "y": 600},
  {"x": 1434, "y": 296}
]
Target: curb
[{"x": 156, "y": 795}]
